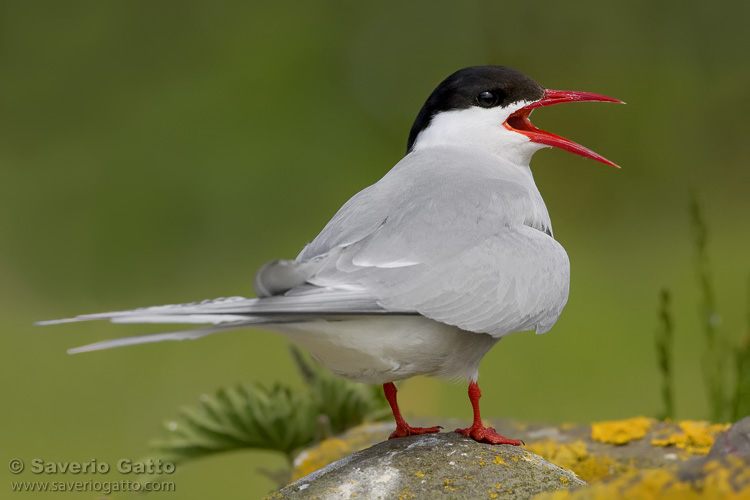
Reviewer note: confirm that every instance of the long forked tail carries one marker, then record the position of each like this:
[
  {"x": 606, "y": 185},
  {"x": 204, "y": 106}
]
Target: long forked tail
[
  {"x": 158, "y": 337},
  {"x": 233, "y": 313}
]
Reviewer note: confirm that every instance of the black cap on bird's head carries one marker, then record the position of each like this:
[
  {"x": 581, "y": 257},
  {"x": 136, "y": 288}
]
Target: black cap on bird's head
[{"x": 489, "y": 87}]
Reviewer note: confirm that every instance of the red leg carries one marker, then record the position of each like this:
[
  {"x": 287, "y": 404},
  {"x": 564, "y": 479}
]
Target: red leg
[
  {"x": 402, "y": 428},
  {"x": 478, "y": 431}
]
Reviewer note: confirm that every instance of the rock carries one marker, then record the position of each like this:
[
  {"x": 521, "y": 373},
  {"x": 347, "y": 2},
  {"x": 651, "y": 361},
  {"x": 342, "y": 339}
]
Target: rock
[
  {"x": 632, "y": 458},
  {"x": 730, "y": 455},
  {"x": 593, "y": 452},
  {"x": 735, "y": 441},
  {"x": 728, "y": 479},
  {"x": 724, "y": 474},
  {"x": 430, "y": 465}
]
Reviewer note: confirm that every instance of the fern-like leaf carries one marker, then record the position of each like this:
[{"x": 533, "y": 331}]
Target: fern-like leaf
[{"x": 274, "y": 418}]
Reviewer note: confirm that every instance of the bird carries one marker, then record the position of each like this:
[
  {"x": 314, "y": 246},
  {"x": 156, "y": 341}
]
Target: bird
[{"x": 424, "y": 271}]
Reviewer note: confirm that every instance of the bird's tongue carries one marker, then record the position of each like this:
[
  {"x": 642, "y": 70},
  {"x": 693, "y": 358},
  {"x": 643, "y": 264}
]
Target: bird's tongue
[{"x": 519, "y": 122}]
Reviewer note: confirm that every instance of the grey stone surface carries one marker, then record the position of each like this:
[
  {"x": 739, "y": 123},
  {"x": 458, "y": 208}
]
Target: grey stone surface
[
  {"x": 735, "y": 441},
  {"x": 445, "y": 465}
]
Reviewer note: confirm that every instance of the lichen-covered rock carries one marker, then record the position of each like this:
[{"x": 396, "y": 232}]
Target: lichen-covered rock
[
  {"x": 722, "y": 475},
  {"x": 430, "y": 465},
  {"x": 594, "y": 452},
  {"x": 725, "y": 479},
  {"x": 637, "y": 458}
]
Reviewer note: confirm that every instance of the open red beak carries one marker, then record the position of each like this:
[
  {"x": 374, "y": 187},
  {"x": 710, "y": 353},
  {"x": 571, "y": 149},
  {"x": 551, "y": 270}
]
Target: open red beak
[{"x": 519, "y": 122}]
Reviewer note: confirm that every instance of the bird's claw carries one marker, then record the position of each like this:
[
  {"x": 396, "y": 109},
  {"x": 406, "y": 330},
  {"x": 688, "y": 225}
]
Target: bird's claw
[
  {"x": 487, "y": 435},
  {"x": 403, "y": 431}
]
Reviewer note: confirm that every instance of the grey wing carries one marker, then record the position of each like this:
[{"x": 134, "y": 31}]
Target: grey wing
[
  {"x": 510, "y": 281},
  {"x": 461, "y": 255}
]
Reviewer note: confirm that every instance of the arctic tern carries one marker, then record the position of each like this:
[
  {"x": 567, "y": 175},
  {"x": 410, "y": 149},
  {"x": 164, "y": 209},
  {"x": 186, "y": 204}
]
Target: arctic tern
[{"x": 423, "y": 272}]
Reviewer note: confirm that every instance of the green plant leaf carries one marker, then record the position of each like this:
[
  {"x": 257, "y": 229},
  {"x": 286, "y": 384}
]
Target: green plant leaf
[{"x": 276, "y": 418}]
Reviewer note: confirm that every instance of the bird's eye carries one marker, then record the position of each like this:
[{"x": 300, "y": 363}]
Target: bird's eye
[{"x": 487, "y": 99}]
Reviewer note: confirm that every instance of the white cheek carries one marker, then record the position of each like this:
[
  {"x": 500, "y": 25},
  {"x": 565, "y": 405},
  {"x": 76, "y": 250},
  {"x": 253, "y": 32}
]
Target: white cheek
[{"x": 479, "y": 129}]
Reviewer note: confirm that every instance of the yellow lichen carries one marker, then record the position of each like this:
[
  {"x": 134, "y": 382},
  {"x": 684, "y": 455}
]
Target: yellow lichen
[
  {"x": 695, "y": 438},
  {"x": 320, "y": 456},
  {"x": 448, "y": 486},
  {"x": 566, "y": 455},
  {"x": 563, "y": 480},
  {"x": 405, "y": 495},
  {"x": 332, "y": 449},
  {"x": 595, "y": 468},
  {"x": 499, "y": 461},
  {"x": 621, "y": 431},
  {"x": 722, "y": 481},
  {"x": 575, "y": 456},
  {"x": 731, "y": 478},
  {"x": 492, "y": 495},
  {"x": 419, "y": 473}
]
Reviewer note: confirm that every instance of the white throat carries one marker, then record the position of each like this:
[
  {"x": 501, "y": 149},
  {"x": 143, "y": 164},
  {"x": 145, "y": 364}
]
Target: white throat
[{"x": 479, "y": 129}]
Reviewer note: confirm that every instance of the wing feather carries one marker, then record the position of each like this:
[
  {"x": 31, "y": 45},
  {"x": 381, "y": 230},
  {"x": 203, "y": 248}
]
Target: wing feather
[{"x": 313, "y": 301}]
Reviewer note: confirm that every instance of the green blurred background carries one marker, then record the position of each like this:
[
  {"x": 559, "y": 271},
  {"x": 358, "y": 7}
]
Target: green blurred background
[{"x": 160, "y": 152}]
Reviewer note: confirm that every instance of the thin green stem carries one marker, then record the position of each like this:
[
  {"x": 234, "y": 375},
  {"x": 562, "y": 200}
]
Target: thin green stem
[
  {"x": 712, "y": 365},
  {"x": 664, "y": 338}
]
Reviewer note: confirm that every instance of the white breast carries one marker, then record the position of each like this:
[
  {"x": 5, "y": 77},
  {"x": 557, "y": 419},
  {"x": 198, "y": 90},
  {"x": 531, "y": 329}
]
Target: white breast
[{"x": 377, "y": 350}]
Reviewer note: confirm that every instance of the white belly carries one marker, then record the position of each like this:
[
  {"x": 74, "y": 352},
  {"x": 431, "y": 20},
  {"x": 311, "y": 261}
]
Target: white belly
[{"x": 388, "y": 348}]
